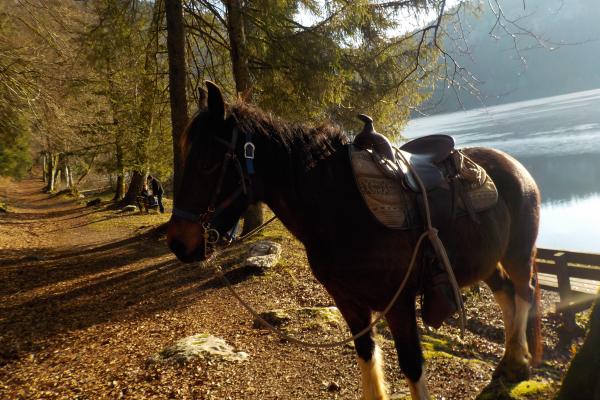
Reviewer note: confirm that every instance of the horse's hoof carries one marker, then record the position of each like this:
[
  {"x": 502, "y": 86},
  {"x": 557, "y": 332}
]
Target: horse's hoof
[{"x": 511, "y": 372}]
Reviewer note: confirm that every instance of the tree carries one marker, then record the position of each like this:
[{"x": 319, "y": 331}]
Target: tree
[
  {"x": 253, "y": 217},
  {"x": 582, "y": 380},
  {"x": 177, "y": 80}
]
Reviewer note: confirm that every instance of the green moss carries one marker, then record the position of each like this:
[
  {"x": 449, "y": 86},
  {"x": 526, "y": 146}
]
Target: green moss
[
  {"x": 435, "y": 344},
  {"x": 429, "y": 354},
  {"x": 529, "y": 388},
  {"x": 526, "y": 390}
]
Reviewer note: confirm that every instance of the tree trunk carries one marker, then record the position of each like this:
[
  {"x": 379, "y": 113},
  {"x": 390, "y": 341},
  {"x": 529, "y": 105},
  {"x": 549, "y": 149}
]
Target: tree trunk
[
  {"x": 177, "y": 79},
  {"x": 582, "y": 380},
  {"x": 66, "y": 173},
  {"x": 148, "y": 89},
  {"x": 135, "y": 188},
  {"x": 51, "y": 172},
  {"x": 238, "y": 49},
  {"x": 243, "y": 84},
  {"x": 45, "y": 168},
  {"x": 253, "y": 218},
  {"x": 57, "y": 179},
  {"x": 120, "y": 189}
]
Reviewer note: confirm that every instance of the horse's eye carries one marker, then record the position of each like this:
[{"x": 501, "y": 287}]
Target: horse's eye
[{"x": 208, "y": 163}]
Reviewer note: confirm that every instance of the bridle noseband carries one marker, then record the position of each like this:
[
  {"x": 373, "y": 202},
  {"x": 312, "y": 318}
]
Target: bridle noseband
[{"x": 211, "y": 235}]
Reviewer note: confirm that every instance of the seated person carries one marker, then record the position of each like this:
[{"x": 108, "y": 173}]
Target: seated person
[{"x": 146, "y": 200}]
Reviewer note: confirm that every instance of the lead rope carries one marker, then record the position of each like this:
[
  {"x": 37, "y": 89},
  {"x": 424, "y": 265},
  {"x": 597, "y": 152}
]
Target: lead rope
[
  {"x": 219, "y": 271},
  {"x": 431, "y": 233}
]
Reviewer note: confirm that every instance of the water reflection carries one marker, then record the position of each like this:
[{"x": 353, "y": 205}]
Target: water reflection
[
  {"x": 564, "y": 177},
  {"x": 572, "y": 225}
]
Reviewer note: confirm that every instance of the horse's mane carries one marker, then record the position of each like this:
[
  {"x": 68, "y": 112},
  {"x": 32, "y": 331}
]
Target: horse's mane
[{"x": 305, "y": 144}]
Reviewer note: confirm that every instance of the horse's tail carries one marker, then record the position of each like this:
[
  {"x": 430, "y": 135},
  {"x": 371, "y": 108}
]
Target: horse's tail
[{"x": 534, "y": 321}]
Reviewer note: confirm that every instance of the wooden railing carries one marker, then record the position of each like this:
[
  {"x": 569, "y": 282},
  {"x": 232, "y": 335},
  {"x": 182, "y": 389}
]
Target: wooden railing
[{"x": 575, "y": 276}]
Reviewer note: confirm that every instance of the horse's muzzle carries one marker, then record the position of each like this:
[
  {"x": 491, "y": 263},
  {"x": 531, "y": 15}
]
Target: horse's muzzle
[{"x": 186, "y": 240}]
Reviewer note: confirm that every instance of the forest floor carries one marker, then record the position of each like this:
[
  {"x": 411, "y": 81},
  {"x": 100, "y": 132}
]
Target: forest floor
[{"x": 87, "y": 296}]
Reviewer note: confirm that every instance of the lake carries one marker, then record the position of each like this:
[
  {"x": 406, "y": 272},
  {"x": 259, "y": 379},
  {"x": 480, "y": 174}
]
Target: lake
[{"x": 558, "y": 140}]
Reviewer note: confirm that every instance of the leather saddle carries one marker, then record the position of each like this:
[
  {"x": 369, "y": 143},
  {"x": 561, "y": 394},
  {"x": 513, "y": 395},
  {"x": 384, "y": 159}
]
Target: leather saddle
[{"x": 423, "y": 154}]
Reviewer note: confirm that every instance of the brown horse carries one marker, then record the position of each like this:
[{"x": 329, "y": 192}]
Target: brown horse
[{"x": 237, "y": 155}]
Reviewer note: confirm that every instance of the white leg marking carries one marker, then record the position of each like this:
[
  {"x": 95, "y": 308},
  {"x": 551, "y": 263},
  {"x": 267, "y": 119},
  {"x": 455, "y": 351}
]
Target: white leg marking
[
  {"x": 507, "y": 305},
  {"x": 373, "y": 379},
  {"x": 418, "y": 390},
  {"x": 520, "y": 352}
]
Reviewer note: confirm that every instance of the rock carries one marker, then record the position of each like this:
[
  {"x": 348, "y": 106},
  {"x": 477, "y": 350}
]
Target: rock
[
  {"x": 129, "y": 208},
  {"x": 274, "y": 317},
  {"x": 3, "y": 208},
  {"x": 264, "y": 254},
  {"x": 203, "y": 346},
  {"x": 305, "y": 318},
  {"x": 333, "y": 387}
]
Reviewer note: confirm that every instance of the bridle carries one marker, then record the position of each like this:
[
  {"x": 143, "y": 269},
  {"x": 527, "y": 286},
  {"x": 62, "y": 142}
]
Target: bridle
[{"x": 246, "y": 187}]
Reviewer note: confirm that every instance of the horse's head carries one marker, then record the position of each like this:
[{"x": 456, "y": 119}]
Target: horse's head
[{"x": 216, "y": 184}]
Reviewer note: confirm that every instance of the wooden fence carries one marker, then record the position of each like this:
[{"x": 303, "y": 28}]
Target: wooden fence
[{"x": 575, "y": 276}]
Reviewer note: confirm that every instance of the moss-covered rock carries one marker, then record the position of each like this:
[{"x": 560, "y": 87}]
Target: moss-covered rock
[
  {"x": 263, "y": 254},
  {"x": 202, "y": 345},
  {"x": 304, "y": 318},
  {"x": 526, "y": 390}
]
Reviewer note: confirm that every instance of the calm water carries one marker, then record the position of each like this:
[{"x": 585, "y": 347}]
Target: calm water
[{"x": 558, "y": 140}]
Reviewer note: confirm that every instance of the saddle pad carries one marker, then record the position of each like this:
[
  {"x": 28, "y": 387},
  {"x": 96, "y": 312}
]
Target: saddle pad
[
  {"x": 483, "y": 197},
  {"x": 395, "y": 207},
  {"x": 384, "y": 196}
]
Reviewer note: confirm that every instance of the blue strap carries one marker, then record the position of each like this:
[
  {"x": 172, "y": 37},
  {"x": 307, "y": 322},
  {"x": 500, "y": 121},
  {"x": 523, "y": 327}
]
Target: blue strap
[{"x": 249, "y": 148}]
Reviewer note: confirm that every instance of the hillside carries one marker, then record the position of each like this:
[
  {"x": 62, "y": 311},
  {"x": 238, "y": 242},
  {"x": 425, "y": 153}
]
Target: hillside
[{"x": 569, "y": 62}]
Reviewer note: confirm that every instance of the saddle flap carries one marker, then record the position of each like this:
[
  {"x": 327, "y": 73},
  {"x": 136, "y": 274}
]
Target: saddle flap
[{"x": 381, "y": 190}]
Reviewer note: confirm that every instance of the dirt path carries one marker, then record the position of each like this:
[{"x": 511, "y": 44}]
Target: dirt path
[{"x": 88, "y": 295}]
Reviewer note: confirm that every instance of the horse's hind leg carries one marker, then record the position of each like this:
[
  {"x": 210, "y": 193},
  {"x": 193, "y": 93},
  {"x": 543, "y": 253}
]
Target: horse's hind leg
[
  {"x": 504, "y": 293},
  {"x": 514, "y": 365},
  {"x": 370, "y": 359},
  {"x": 403, "y": 324},
  {"x": 517, "y": 358},
  {"x": 517, "y": 351}
]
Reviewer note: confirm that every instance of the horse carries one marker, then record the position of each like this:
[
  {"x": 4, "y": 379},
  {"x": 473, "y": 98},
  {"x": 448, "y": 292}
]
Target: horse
[{"x": 237, "y": 155}]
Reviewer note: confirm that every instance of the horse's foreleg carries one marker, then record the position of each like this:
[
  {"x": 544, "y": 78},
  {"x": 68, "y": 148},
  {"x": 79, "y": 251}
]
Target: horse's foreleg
[
  {"x": 403, "y": 324},
  {"x": 372, "y": 377},
  {"x": 370, "y": 359}
]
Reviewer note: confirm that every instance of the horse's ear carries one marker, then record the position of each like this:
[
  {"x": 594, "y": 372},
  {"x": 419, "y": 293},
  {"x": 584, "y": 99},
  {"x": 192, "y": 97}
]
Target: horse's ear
[
  {"x": 216, "y": 104},
  {"x": 202, "y": 98}
]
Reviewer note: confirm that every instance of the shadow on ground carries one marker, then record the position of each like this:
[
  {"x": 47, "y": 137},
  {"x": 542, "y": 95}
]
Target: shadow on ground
[{"x": 53, "y": 292}]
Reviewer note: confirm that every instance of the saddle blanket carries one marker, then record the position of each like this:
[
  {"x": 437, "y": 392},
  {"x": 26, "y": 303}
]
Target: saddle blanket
[{"x": 395, "y": 206}]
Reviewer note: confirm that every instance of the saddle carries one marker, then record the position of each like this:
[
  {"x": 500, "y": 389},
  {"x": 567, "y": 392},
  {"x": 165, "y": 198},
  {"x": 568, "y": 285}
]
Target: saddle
[
  {"x": 391, "y": 182},
  {"x": 385, "y": 177}
]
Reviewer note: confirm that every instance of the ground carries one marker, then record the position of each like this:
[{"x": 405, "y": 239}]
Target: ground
[{"x": 89, "y": 295}]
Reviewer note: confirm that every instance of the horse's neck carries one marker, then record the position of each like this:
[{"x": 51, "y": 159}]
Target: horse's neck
[{"x": 291, "y": 188}]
